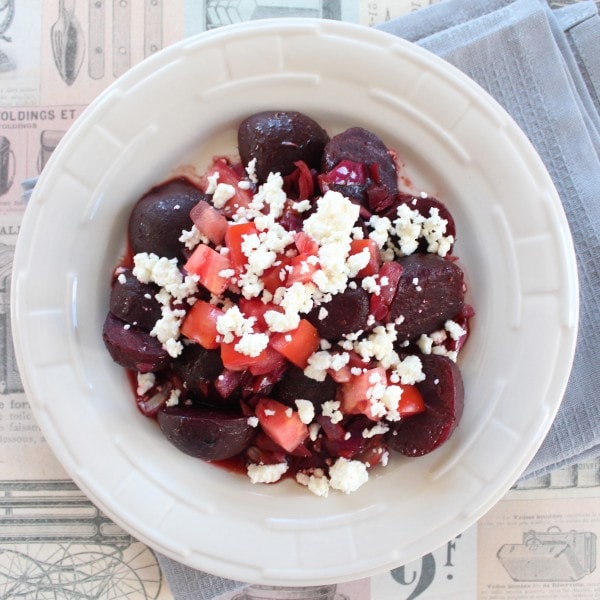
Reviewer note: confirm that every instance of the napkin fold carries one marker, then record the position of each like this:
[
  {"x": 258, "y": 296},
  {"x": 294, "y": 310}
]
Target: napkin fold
[{"x": 543, "y": 66}]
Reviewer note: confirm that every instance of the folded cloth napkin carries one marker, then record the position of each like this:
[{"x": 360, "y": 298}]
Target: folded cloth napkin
[{"x": 543, "y": 66}]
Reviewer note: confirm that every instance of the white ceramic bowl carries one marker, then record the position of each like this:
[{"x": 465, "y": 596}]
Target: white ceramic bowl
[{"x": 183, "y": 105}]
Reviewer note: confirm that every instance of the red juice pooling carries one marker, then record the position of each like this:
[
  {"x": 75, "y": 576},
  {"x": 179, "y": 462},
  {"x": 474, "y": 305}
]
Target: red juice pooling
[{"x": 296, "y": 314}]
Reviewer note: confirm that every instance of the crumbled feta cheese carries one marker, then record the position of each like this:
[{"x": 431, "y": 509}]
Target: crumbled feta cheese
[
  {"x": 331, "y": 409},
  {"x": 251, "y": 170},
  {"x": 410, "y": 370},
  {"x": 232, "y": 323},
  {"x": 222, "y": 194},
  {"x": 377, "y": 429},
  {"x": 333, "y": 220},
  {"x": 347, "y": 475},
  {"x": 212, "y": 181},
  {"x": 252, "y": 421},
  {"x": 252, "y": 344},
  {"x": 122, "y": 279},
  {"x": 316, "y": 482},
  {"x": 302, "y": 206},
  {"x": 145, "y": 382},
  {"x": 173, "y": 399},
  {"x": 266, "y": 473},
  {"x": 190, "y": 239},
  {"x": 306, "y": 410},
  {"x": 454, "y": 329}
]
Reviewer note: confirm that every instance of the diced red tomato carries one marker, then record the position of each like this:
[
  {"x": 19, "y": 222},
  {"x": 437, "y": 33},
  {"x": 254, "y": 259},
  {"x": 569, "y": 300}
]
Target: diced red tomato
[
  {"x": 411, "y": 401},
  {"x": 276, "y": 276},
  {"x": 301, "y": 269},
  {"x": 297, "y": 345},
  {"x": 389, "y": 277},
  {"x": 305, "y": 244},
  {"x": 229, "y": 175},
  {"x": 209, "y": 221},
  {"x": 342, "y": 375},
  {"x": 234, "y": 238},
  {"x": 358, "y": 246},
  {"x": 255, "y": 307},
  {"x": 355, "y": 394},
  {"x": 237, "y": 361},
  {"x": 200, "y": 324},
  {"x": 281, "y": 423},
  {"x": 208, "y": 264}
]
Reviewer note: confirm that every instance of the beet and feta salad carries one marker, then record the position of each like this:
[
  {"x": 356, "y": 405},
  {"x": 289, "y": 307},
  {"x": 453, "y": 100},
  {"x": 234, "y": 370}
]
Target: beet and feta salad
[{"x": 294, "y": 313}]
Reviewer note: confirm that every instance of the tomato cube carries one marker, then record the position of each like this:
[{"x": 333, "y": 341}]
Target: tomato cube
[
  {"x": 411, "y": 401},
  {"x": 228, "y": 175},
  {"x": 281, "y": 423},
  {"x": 301, "y": 269},
  {"x": 358, "y": 246},
  {"x": 200, "y": 324},
  {"x": 297, "y": 345},
  {"x": 305, "y": 244},
  {"x": 276, "y": 276},
  {"x": 355, "y": 395},
  {"x": 234, "y": 238},
  {"x": 210, "y": 266},
  {"x": 209, "y": 222}
]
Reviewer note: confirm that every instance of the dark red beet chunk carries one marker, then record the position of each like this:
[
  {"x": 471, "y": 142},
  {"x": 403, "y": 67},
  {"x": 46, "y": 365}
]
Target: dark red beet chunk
[
  {"x": 206, "y": 434},
  {"x": 160, "y": 216},
  {"x": 278, "y": 139},
  {"x": 423, "y": 206},
  {"x": 443, "y": 393},
  {"x": 134, "y": 302},
  {"x": 347, "y": 312},
  {"x": 198, "y": 369},
  {"x": 430, "y": 291},
  {"x": 361, "y": 146},
  {"x": 132, "y": 347},
  {"x": 295, "y": 385}
]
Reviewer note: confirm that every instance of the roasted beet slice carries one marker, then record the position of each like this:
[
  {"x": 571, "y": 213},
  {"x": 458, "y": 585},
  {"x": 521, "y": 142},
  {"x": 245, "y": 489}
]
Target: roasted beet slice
[
  {"x": 363, "y": 147},
  {"x": 159, "y": 217},
  {"x": 132, "y": 347},
  {"x": 278, "y": 139},
  {"x": 198, "y": 368},
  {"x": 347, "y": 312},
  {"x": 206, "y": 434},
  {"x": 424, "y": 206},
  {"x": 430, "y": 291},
  {"x": 443, "y": 393},
  {"x": 134, "y": 302},
  {"x": 295, "y": 385}
]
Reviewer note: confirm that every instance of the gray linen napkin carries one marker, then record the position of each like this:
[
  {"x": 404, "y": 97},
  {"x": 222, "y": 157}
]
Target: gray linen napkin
[{"x": 543, "y": 66}]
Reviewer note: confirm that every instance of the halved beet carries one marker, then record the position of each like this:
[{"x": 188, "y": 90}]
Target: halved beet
[
  {"x": 443, "y": 393},
  {"x": 132, "y": 347},
  {"x": 206, "y": 434},
  {"x": 159, "y": 217},
  {"x": 345, "y": 313},
  {"x": 278, "y": 139},
  {"x": 134, "y": 302},
  {"x": 363, "y": 147},
  {"x": 295, "y": 385},
  {"x": 430, "y": 291}
]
